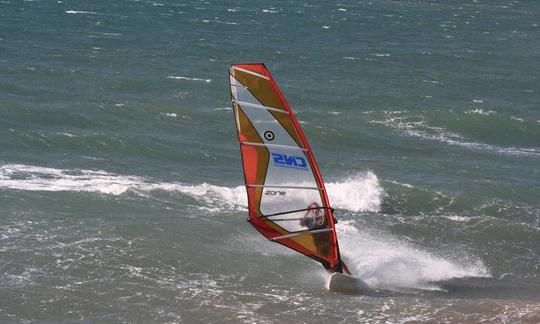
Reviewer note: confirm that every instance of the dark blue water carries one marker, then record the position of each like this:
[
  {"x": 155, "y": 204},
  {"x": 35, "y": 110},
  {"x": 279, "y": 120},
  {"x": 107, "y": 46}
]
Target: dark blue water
[{"x": 120, "y": 175}]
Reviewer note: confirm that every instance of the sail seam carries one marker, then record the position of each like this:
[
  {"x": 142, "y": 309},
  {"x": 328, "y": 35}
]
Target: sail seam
[
  {"x": 274, "y": 145},
  {"x": 252, "y": 105},
  {"x": 293, "y": 211},
  {"x": 239, "y": 86},
  {"x": 285, "y": 187}
]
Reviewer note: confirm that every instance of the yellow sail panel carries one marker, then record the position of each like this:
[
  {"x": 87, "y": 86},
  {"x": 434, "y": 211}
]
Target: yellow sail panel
[{"x": 257, "y": 89}]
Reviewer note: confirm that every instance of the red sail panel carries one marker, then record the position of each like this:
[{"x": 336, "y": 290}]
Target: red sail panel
[{"x": 287, "y": 199}]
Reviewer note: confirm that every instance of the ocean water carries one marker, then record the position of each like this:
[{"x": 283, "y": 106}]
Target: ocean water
[{"x": 121, "y": 195}]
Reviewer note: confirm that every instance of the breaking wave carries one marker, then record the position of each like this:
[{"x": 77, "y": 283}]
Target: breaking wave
[{"x": 359, "y": 193}]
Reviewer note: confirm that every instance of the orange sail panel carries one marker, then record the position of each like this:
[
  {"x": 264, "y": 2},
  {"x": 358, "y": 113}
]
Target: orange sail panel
[{"x": 287, "y": 200}]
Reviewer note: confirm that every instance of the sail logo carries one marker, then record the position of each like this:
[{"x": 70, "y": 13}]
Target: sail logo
[{"x": 289, "y": 161}]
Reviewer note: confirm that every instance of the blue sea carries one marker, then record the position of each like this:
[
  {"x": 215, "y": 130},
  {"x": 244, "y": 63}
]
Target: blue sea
[{"x": 121, "y": 186}]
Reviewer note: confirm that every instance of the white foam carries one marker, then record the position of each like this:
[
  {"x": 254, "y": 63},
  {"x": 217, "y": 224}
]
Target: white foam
[
  {"x": 175, "y": 115},
  {"x": 66, "y": 134},
  {"x": 218, "y": 197},
  {"x": 361, "y": 192},
  {"x": 480, "y": 112},
  {"x": 406, "y": 185},
  {"x": 175, "y": 77},
  {"x": 36, "y": 178},
  {"x": 386, "y": 262},
  {"x": 80, "y": 12},
  {"x": 456, "y": 218}
]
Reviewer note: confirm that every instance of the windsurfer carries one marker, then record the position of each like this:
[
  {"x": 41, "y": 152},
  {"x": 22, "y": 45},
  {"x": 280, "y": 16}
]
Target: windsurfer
[{"x": 313, "y": 218}]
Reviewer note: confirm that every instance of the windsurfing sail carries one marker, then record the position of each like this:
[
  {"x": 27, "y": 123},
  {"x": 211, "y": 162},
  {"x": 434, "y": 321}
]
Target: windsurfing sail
[{"x": 287, "y": 200}]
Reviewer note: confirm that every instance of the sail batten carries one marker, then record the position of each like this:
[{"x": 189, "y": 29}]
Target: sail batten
[
  {"x": 274, "y": 145},
  {"x": 280, "y": 172},
  {"x": 250, "y": 72},
  {"x": 284, "y": 187},
  {"x": 252, "y": 105},
  {"x": 294, "y": 211},
  {"x": 302, "y": 233},
  {"x": 238, "y": 85}
]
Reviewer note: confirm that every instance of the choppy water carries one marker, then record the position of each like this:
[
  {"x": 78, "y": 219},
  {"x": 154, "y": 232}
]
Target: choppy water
[{"x": 120, "y": 176}]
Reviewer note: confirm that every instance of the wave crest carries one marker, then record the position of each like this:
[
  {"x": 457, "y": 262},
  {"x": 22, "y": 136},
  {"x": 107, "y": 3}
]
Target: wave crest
[{"x": 358, "y": 193}]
